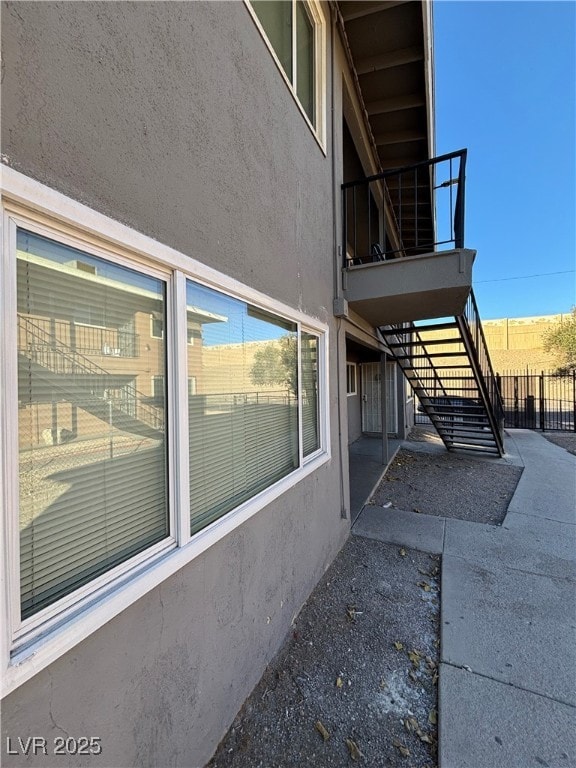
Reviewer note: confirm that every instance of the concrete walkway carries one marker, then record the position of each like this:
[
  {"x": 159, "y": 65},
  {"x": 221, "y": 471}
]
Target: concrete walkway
[
  {"x": 366, "y": 466},
  {"x": 507, "y": 688}
]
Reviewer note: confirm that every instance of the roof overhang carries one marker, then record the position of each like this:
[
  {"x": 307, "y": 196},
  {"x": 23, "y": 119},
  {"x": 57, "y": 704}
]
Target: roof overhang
[{"x": 390, "y": 47}]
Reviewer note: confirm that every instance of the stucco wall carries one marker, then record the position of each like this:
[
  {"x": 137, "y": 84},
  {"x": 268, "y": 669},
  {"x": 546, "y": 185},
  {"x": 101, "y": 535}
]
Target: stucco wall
[
  {"x": 173, "y": 118},
  {"x": 354, "y": 414}
]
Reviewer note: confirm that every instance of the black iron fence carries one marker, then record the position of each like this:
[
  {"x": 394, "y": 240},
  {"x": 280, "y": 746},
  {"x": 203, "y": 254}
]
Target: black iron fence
[{"x": 545, "y": 401}]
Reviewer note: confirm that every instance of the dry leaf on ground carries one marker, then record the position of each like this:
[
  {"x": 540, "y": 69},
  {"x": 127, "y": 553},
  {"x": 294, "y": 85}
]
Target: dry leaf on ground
[{"x": 354, "y": 749}]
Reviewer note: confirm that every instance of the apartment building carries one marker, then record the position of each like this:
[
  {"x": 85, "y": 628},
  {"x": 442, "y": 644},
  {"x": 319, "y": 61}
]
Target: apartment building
[{"x": 218, "y": 227}]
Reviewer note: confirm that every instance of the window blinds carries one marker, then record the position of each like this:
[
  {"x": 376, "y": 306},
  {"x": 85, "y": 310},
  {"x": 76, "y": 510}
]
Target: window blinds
[
  {"x": 92, "y": 449},
  {"x": 244, "y": 417},
  {"x": 309, "y": 367}
]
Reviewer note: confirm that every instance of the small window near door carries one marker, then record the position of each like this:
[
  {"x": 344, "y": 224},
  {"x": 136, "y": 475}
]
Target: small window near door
[{"x": 351, "y": 379}]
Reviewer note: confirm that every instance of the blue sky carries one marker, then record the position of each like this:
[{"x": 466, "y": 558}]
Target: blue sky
[{"x": 505, "y": 89}]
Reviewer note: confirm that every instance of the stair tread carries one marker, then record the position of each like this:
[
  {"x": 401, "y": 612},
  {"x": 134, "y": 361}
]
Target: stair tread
[
  {"x": 468, "y": 438},
  {"x": 432, "y": 354},
  {"x": 424, "y": 342},
  {"x": 462, "y": 412}
]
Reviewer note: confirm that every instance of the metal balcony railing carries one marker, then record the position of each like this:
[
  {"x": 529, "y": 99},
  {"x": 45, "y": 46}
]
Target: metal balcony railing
[
  {"x": 84, "y": 375},
  {"x": 90, "y": 340},
  {"x": 405, "y": 211}
]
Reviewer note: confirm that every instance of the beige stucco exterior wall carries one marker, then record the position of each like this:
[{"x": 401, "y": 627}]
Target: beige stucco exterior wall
[{"x": 173, "y": 119}]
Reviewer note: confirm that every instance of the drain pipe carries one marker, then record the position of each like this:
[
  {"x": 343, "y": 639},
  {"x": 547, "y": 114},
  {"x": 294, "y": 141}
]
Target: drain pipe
[{"x": 338, "y": 297}]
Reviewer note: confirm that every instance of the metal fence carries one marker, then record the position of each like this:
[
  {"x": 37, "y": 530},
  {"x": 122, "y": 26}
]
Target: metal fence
[{"x": 545, "y": 401}]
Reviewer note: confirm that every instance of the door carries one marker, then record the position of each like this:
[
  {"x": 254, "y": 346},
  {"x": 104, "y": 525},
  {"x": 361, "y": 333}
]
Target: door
[{"x": 372, "y": 400}]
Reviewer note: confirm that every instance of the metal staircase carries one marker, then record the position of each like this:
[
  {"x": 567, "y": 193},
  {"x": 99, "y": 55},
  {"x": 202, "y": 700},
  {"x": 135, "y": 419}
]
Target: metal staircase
[
  {"x": 448, "y": 366},
  {"x": 57, "y": 367}
]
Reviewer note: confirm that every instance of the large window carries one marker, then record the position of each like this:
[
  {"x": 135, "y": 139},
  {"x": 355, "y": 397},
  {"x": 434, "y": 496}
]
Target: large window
[
  {"x": 294, "y": 30},
  {"x": 244, "y": 418},
  {"x": 120, "y": 461},
  {"x": 92, "y": 466}
]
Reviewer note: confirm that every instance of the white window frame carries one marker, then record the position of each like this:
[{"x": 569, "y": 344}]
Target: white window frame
[
  {"x": 26, "y": 647},
  {"x": 351, "y": 370},
  {"x": 318, "y": 19}
]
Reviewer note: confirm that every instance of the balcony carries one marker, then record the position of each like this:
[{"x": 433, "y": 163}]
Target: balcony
[{"x": 404, "y": 232}]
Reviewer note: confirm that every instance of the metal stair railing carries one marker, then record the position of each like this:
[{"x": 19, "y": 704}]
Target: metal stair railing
[
  {"x": 43, "y": 348},
  {"x": 473, "y": 335}
]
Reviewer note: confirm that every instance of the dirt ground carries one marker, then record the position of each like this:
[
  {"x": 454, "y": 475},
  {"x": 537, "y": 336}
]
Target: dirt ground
[
  {"x": 356, "y": 682},
  {"x": 449, "y": 485}
]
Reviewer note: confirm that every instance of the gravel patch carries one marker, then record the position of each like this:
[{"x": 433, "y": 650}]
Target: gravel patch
[
  {"x": 446, "y": 484},
  {"x": 566, "y": 440},
  {"x": 356, "y": 682}
]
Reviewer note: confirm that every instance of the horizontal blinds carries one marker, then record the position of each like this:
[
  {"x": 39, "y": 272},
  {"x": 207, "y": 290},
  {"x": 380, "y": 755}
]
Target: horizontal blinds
[
  {"x": 244, "y": 418},
  {"x": 309, "y": 387},
  {"x": 237, "y": 451},
  {"x": 92, "y": 449},
  {"x": 276, "y": 19}
]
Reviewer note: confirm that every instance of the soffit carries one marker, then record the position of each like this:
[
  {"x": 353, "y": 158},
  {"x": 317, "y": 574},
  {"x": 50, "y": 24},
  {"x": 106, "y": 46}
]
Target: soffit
[{"x": 388, "y": 48}]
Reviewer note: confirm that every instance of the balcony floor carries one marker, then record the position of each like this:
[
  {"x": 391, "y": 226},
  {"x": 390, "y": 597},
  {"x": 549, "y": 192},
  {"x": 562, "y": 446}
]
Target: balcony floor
[{"x": 410, "y": 288}]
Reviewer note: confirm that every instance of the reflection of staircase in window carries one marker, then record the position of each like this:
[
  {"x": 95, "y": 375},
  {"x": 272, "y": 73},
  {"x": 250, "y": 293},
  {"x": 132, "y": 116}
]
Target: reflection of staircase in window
[{"x": 109, "y": 396}]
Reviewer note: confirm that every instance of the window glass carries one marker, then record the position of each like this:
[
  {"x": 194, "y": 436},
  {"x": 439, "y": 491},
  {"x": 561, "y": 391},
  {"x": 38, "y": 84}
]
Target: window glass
[
  {"x": 309, "y": 367},
  {"x": 276, "y": 19},
  {"x": 305, "y": 60},
  {"x": 350, "y": 378},
  {"x": 92, "y": 448},
  {"x": 156, "y": 326},
  {"x": 244, "y": 412},
  {"x": 292, "y": 31}
]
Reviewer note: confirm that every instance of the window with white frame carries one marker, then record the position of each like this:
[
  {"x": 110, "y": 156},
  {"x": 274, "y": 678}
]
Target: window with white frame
[
  {"x": 351, "y": 379},
  {"x": 92, "y": 471},
  {"x": 98, "y": 449},
  {"x": 295, "y": 32}
]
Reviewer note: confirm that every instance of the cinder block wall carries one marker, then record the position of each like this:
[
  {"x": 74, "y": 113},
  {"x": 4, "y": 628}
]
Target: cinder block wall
[{"x": 516, "y": 344}]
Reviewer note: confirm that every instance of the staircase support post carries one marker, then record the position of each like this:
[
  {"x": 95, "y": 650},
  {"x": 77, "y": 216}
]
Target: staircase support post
[{"x": 383, "y": 409}]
